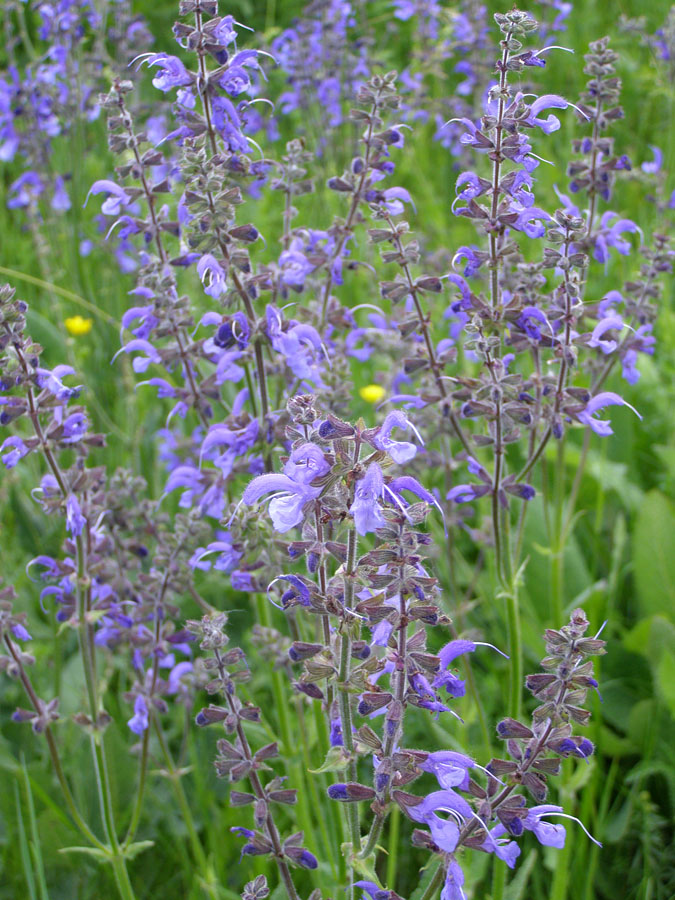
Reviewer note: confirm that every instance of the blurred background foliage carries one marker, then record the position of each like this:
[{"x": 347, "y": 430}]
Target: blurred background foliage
[{"x": 619, "y": 559}]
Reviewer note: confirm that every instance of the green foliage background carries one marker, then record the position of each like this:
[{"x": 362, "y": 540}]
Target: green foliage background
[{"x": 619, "y": 561}]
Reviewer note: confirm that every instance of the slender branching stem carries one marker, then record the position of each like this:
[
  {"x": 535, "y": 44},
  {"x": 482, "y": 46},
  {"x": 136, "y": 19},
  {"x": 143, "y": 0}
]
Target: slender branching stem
[
  {"x": 53, "y": 750},
  {"x": 423, "y": 321},
  {"x": 269, "y": 824},
  {"x": 347, "y": 228}
]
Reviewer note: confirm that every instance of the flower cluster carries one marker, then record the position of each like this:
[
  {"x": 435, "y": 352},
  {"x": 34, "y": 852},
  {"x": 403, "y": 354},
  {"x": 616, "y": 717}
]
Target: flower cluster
[{"x": 501, "y": 813}]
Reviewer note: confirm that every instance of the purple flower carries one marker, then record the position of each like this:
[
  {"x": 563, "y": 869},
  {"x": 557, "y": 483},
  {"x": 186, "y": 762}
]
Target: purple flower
[
  {"x": 371, "y": 888},
  {"x": 172, "y": 71},
  {"x": 453, "y": 685},
  {"x": 454, "y": 881},
  {"x": 336, "y": 739},
  {"x": 338, "y": 792},
  {"x": 179, "y": 681},
  {"x": 468, "y": 186},
  {"x": 18, "y": 451},
  {"x": 306, "y": 463},
  {"x": 74, "y": 428},
  {"x": 611, "y": 236},
  {"x": 235, "y": 80},
  {"x": 294, "y": 265},
  {"x": 400, "y": 451},
  {"x": 651, "y": 168},
  {"x": 605, "y": 325},
  {"x": 224, "y": 32},
  {"x": 600, "y": 401},
  {"x": 164, "y": 389},
  {"x": 139, "y": 721},
  {"x": 75, "y": 521},
  {"x": 471, "y": 266},
  {"x": 408, "y": 483},
  {"x": 449, "y": 767},
  {"x": 228, "y": 555},
  {"x": 530, "y": 221},
  {"x": 286, "y": 506},
  {"x": 51, "y": 381},
  {"x": 60, "y": 200},
  {"x": 366, "y": 509},
  {"x": 394, "y": 198},
  {"x": 300, "y": 345},
  {"x": 20, "y": 632},
  {"x": 148, "y": 321},
  {"x": 465, "y": 493},
  {"x": 444, "y": 832},
  {"x": 141, "y": 363},
  {"x": 546, "y": 101},
  {"x": 507, "y": 851},
  {"x": 242, "y": 581},
  {"x": 25, "y": 190},
  {"x": 529, "y": 319},
  {"x": 212, "y": 275},
  {"x": 117, "y": 198}
]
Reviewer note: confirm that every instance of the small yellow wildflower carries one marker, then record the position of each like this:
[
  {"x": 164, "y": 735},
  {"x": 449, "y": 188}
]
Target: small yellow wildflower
[
  {"x": 372, "y": 393},
  {"x": 78, "y": 326}
]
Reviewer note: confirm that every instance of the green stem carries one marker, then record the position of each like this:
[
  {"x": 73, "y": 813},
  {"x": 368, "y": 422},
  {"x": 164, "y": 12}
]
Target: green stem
[
  {"x": 257, "y": 787},
  {"x": 557, "y": 549},
  {"x": 54, "y": 753},
  {"x": 435, "y": 883},
  {"x": 85, "y": 639},
  {"x": 289, "y": 744},
  {"x": 498, "y": 879},
  {"x": 392, "y": 858},
  {"x": 347, "y": 736},
  {"x": 515, "y": 652},
  {"x": 352, "y": 810},
  {"x": 140, "y": 791},
  {"x": 122, "y": 877},
  {"x": 176, "y": 783}
]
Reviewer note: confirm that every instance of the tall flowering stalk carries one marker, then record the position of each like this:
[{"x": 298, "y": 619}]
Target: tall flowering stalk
[{"x": 39, "y": 396}]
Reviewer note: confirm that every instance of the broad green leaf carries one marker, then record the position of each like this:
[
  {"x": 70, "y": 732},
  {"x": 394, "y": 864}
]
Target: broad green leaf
[
  {"x": 366, "y": 868},
  {"x": 650, "y": 638},
  {"x": 654, "y": 555}
]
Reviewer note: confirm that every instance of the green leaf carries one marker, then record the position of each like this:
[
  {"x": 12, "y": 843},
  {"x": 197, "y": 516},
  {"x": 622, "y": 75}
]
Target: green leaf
[
  {"x": 366, "y": 868},
  {"x": 516, "y": 887},
  {"x": 132, "y": 851},
  {"x": 336, "y": 760},
  {"x": 579, "y": 779},
  {"x": 665, "y": 679},
  {"x": 23, "y": 847},
  {"x": 650, "y": 638},
  {"x": 103, "y": 856},
  {"x": 654, "y": 555},
  {"x": 427, "y": 873}
]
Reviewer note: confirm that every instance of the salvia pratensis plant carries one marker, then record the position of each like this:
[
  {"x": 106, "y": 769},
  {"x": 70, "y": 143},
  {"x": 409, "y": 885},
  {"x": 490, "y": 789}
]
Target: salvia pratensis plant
[{"x": 342, "y": 744}]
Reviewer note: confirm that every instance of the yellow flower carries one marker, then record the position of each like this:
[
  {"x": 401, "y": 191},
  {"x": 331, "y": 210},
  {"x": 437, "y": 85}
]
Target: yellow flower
[
  {"x": 372, "y": 393},
  {"x": 78, "y": 326}
]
